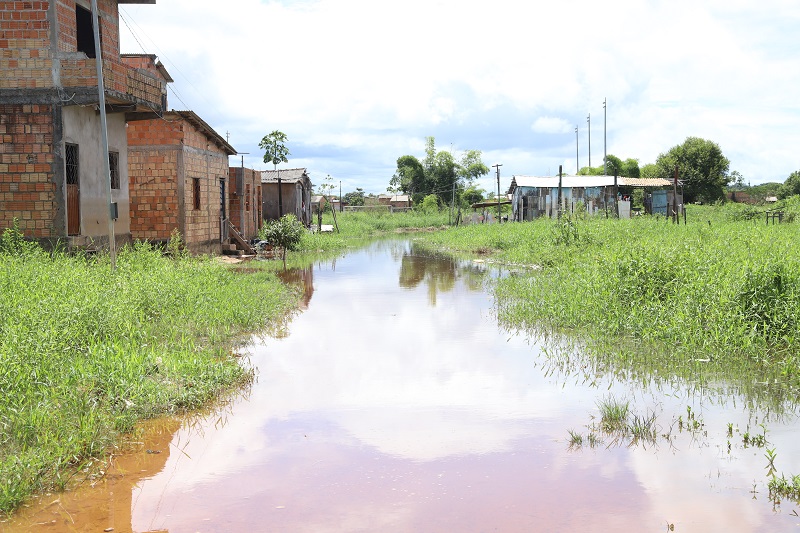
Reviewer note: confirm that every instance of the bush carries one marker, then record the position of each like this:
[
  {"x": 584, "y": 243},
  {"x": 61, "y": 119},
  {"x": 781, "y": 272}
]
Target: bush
[{"x": 284, "y": 233}]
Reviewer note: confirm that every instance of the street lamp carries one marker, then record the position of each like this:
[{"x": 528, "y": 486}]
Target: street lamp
[{"x": 577, "y": 162}]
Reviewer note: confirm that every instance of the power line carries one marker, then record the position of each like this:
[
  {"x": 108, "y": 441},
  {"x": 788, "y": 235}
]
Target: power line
[{"x": 173, "y": 66}]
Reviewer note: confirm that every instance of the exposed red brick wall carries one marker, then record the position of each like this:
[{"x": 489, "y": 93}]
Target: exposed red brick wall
[
  {"x": 164, "y": 156},
  {"x": 27, "y": 191},
  {"x": 26, "y": 57}
]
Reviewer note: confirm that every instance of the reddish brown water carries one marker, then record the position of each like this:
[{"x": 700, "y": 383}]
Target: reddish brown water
[{"x": 395, "y": 403}]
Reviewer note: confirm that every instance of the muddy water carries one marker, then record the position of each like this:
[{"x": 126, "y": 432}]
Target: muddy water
[{"x": 394, "y": 402}]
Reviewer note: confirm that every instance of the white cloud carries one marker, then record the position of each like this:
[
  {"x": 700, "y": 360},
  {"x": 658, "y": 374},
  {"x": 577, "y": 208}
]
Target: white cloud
[{"x": 355, "y": 84}]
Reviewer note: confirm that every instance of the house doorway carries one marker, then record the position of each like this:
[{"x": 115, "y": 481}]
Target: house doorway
[
  {"x": 223, "y": 213},
  {"x": 72, "y": 172}
]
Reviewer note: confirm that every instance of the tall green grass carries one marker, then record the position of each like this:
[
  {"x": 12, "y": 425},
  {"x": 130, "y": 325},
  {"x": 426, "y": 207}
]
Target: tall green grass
[
  {"x": 357, "y": 226},
  {"x": 719, "y": 291},
  {"x": 85, "y": 353}
]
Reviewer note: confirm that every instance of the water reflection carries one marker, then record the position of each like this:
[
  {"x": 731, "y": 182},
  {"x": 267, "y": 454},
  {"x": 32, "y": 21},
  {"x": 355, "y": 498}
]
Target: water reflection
[
  {"x": 300, "y": 277},
  {"x": 386, "y": 410}
]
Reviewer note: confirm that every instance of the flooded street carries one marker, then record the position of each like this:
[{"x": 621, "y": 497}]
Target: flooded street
[{"x": 394, "y": 402}]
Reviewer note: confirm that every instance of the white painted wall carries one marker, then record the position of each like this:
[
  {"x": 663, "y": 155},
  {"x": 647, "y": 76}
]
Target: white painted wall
[{"x": 82, "y": 127}]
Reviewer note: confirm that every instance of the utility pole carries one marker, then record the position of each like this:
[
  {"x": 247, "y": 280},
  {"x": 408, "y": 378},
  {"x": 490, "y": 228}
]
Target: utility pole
[
  {"x": 497, "y": 167},
  {"x": 577, "y": 159},
  {"x": 101, "y": 96},
  {"x": 589, "y": 121},
  {"x": 341, "y": 205},
  {"x": 605, "y": 153}
]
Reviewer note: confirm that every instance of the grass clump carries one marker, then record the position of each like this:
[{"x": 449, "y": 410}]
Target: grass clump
[
  {"x": 86, "y": 352},
  {"x": 715, "y": 290}
]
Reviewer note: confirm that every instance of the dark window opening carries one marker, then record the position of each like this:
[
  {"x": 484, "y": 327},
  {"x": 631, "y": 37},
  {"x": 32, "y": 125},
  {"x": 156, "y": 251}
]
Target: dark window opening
[
  {"x": 85, "y": 31},
  {"x": 196, "y": 192},
  {"x": 113, "y": 166},
  {"x": 247, "y": 198},
  {"x": 72, "y": 164}
]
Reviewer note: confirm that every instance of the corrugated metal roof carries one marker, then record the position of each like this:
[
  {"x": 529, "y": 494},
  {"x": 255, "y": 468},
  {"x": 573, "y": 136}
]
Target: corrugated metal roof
[
  {"x": 645, "y": 182},
  {"x": 584, "y": 181},
  {"x": 287, "y": 175}
]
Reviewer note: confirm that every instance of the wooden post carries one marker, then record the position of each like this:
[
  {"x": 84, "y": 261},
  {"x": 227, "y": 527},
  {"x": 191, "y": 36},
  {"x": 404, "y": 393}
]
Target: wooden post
[
  {"x": 559, "y": 191},
  {"x": 675, "y": 216}
]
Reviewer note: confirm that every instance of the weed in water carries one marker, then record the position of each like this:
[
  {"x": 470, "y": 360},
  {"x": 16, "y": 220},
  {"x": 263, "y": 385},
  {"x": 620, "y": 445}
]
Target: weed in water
[
  {"x": 575, "y": 439},
  {"x": 613, "y": 414}
]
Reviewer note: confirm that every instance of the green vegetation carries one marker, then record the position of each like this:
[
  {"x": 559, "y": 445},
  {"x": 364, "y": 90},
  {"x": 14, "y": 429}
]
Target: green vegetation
[
  {"x": 713, "y": 295},
  {"x": 284, "y": 233},
  {"x": 438, "y": 173},
  {"x": 85, "y": 353}
]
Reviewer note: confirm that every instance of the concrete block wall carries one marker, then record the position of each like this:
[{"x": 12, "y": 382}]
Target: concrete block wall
[{"x": 27, "y": 189}]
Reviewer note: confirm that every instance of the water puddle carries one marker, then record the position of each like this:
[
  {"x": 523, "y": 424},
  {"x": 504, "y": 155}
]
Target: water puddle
[{"x": 394, "y": 402}]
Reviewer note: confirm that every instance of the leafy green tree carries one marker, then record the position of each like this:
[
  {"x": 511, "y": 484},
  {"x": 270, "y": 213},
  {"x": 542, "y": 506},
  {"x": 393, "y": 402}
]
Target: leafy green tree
[
  {"x": 614, "y": 165},
  {"x": 355, "y": 198},
  {"x": 274, "y": 145},
  {"x": 791, "y": 186},
  {"x": 472, "y": 167},
  {"x": 701, "y": 166},
  {"x": 410, "y": 177},
  {"x": 284, "y": 233},
  {"x": 630, "y": 168},
  {"x": 650, "y": 170},
  {"x": 472, "y": 195},
  {"x": 438, "y": 173},
  {"x": 430, "y": 204}
]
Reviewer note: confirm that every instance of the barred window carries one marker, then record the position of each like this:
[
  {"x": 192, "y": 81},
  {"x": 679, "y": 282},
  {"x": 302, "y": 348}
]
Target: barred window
[
  {"x": 196, "y": 193},
  {"x": 113, "y": 165},
  {"x": 71, "y": 155}
]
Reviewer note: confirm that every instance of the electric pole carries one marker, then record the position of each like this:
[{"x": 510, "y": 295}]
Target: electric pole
[
  {"x": 605, "y": 154},
  {"x": 589, "y": 121}
]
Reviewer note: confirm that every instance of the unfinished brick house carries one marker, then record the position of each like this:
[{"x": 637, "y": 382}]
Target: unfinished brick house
[
  {"x": 244, "y": 198},
  {"x": 287, "y": 191},
  {"x": 178, "y": 168},
  {"x": 52, "y": 173}
]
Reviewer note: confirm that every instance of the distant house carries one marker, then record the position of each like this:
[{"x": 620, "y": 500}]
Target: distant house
[
  {"x": 179, "y": 171},
  {"x": 244, "y": 200},
  {"x": 400, "y": 201},
  {"x": 52, "y": 166},
  {"x": 286, "y": 191},
  {"x": 533, "y": 196}
]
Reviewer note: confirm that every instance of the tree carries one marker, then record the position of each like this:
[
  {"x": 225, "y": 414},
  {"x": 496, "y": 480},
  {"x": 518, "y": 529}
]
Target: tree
[
  {"x": 438, "y": 173},
  {"x": 284, "y": 233},
  {"x": 791, "y": 186},
  {"x": 630, "y": 168},
  {"x": 472, "y": 195},
  {"x": 472, "y": 167},
  {"x": 701, "y": 166},
  {"x": 409, "y": 177},
  {"x": 274, "y": 145},
  {"x": 650, "y": 170},
  {"x": 355, "y": 198},
  {"x": 614, "y": 166}
]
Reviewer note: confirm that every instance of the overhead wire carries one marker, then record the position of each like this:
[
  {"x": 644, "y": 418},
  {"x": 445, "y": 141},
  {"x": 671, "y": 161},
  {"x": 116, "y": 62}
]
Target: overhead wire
[{"x": 128, "y": 19}]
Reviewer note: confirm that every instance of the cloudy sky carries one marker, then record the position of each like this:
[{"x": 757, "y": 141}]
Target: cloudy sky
[{"x": 355, "y": 84}]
